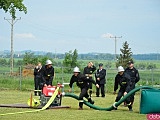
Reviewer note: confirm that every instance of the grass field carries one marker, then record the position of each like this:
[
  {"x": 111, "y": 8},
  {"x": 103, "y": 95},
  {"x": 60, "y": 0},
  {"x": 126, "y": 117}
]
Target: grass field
[
  {"x": 12, "y": 91},
  {"x": 10, "y": 97}
]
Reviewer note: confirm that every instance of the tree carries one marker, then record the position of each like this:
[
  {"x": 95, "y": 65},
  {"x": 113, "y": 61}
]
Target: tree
[
  {"x": 12, "y": 6},
  {"x": 74, "y": 58},
  {"x": 29, "y": 58},
  {"x": 151, "y": 66},
  {"x": 141, "y": 66},
  {"x": 70, "y": 60},
  {"x": 3, "y": 62},
  {"x": 19, "y": 63},
  {"x": 108, "y": 65},
  {"x": 125, "y": 56}
]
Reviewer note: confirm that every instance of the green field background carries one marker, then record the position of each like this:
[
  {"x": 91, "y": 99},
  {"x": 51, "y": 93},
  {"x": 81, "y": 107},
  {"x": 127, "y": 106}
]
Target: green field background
[{"x": 17, "y": 89}]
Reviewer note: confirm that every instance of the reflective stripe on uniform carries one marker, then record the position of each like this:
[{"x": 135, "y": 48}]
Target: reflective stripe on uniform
[{"x": 80, "y": 100}]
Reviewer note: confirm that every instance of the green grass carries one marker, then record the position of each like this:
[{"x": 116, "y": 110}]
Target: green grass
[
  {"x": 12, "y": 92},
  {"x": 15, "y": 96}
]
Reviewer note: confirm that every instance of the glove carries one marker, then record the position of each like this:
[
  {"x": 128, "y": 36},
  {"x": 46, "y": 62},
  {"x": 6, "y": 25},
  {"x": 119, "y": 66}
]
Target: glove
[
  {"x": 125, "y": 93},
  {"x": 97, "y": 85},
  {"x": 70, "y": 90},
  {"x": 114, "y": 92}
]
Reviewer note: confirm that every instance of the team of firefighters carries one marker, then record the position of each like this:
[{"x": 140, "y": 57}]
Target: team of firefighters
[{"x": 126, "y": 79}]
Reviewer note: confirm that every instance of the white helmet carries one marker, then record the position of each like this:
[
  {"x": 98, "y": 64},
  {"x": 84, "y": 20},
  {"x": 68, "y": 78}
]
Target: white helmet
[
  {"x": 48, "y": 62},
  {"x": 120, "y": 69},
  {"x": 76, "y": 69}
]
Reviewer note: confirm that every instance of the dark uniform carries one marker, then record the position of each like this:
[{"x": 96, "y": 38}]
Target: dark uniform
[
  {"x": 124, "y": 81},
  {"x": 88, "y": 71},
  {"x": 47, "y": 75},
  {"x": 37, "y": 79},
  {"x": 83, "y": 83},
  {"x": 101, "y": 74},
  {"x": 134, "y": 75}
]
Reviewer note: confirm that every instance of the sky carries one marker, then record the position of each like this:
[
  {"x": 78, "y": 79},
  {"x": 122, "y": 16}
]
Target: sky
[{"x": 86, "y": 25}]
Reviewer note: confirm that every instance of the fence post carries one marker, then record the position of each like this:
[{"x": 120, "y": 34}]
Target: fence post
[
  {"x": 152, "y": 75},
  {"x": 20, "y": 77}
]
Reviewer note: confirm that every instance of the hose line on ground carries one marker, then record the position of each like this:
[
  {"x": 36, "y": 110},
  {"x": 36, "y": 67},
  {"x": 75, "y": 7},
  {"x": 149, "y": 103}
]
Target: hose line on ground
[
  {"x": 115, "y": 104},
  {"x": 43, "y": 108}
]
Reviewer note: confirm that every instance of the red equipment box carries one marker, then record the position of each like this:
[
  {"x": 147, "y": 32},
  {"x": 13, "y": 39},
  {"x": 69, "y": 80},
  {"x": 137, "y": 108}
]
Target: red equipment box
[{"x": 49, "y": 90}]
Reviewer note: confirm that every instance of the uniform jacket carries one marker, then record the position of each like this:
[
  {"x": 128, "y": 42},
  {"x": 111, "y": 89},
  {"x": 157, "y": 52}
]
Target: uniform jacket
[
  {"x": 134, "y": 74},
  {"x": 81, "y": 81},
  {"x": 47, "y": 74},
  {"x": 124, "y": 81},
  {"x": 37, "y": 71},
  {"x": 88, "y": 70},
  {"x": 102, "y": 75}
]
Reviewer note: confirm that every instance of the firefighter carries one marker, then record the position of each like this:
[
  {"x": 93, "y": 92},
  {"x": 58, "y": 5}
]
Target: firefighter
[
  {"x": 124, "y": 80},
  {"x": 38, "y": 78},
  {"x": 100, "y": 76},
  {"x": 88, "y": 71},
  {"x": 83, "y": 83},
  {"x": 47, "y": 73},
  {"x": 134, "y": 75}
]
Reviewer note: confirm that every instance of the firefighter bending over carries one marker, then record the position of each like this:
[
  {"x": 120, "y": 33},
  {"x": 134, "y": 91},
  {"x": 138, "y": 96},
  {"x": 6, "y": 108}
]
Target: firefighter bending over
[{"x": 122, "y": 79}]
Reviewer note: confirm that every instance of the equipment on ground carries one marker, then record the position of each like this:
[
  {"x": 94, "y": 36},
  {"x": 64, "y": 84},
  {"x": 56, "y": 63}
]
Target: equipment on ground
[
  {"x": 149, "y": 102},
  {"x": 47, "y": 92},
  {"x": 45, "y": 96}
]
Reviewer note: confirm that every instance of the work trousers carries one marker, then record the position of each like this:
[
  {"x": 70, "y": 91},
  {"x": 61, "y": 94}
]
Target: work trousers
[
  {"x": 37, "y": 84},
  {"x": 102, "y": 87},
  {"x": 120, "y": 94}
]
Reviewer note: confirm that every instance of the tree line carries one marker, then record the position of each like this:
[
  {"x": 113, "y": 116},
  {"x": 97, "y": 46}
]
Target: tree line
[{"x": 71, "y": 59}]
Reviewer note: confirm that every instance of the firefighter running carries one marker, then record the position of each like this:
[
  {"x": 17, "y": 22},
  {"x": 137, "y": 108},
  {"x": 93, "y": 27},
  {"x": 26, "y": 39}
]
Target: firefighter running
[{"x": 83, "y": 83}]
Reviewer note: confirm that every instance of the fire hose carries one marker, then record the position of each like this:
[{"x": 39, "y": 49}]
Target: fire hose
[
  {"x": 85, "y": 102},
  {"x": 115, "y": 104},
  {"x": 43, "y": 108}
]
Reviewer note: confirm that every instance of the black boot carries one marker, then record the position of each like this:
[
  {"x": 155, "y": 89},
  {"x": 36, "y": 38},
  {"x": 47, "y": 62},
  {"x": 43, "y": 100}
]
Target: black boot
[
  {"x": 91, "y": 101},
  {"x": 130, "y": 107},
  {"x": 35, "y": 93},
  {"x": 80, "y": 106},
  {"x": 90, "y": 92}
]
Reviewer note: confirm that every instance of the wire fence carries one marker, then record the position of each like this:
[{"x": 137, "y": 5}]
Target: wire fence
[{"x": 149, "y": 77}]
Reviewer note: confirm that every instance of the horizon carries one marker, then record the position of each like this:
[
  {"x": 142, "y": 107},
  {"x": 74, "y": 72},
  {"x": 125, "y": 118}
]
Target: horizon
[{"x": 72, "y": 51}]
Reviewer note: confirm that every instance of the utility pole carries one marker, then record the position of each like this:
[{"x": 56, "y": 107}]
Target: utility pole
[
  {"x": 12, "y": 22},
  {"x": 115, "y": 38}
]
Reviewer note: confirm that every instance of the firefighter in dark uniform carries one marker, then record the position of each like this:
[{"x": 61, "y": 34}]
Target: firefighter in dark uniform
[
  {"x": 47, "y": 73},
  {"x": 38, "y": 79},
  {"x": 88, "y": 71},
  {"x": 83, "y": 83},
  {"x": 124, "y": 80},
  {"x": 100, "y": 76},
  {"x": 134, "y": 75}
]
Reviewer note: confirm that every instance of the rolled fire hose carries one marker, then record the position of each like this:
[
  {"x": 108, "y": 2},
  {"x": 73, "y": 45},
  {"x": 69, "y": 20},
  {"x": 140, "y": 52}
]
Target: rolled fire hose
[
  {"x": 44, "y": 108},
  {"x": 114, "y": 105}
]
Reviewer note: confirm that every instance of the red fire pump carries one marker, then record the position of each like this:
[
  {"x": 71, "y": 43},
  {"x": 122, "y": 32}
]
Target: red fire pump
[{"x": 47, "y": 92}]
